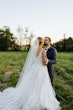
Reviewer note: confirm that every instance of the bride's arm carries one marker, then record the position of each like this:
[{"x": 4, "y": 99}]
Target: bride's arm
[{"x": 44, "y": 57}]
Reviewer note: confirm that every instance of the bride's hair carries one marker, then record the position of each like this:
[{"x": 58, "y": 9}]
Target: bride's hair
[{"x": 40, "y": 40}]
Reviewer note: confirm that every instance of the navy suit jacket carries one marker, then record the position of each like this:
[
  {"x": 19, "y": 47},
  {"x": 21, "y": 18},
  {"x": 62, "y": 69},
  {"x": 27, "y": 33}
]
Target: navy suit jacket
[{"x": 52, "y": 56}]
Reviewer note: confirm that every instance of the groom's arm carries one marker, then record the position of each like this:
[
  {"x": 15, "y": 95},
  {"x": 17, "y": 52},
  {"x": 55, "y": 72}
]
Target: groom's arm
[{"x": 54, "y": 57}]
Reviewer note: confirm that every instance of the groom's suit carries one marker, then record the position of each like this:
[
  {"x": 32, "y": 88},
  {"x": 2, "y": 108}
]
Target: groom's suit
[{"x": 51, "y": 55}]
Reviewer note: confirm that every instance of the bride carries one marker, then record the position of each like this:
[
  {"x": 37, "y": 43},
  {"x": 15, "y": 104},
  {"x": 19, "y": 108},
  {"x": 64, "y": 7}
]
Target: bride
[{"x": 33, "y": 90}]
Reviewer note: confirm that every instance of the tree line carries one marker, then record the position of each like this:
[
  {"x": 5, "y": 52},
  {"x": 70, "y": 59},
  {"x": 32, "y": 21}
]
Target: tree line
[
  {"x": 8, "y": 40},
  {"x": 64, "y": 45}
]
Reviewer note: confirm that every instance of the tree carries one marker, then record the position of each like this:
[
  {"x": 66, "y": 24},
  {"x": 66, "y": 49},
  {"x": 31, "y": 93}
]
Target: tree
[
  {"x": 6, "y": 38},
  {"x": 25, "y": 35},
  {"x": 64, "y": 45}
]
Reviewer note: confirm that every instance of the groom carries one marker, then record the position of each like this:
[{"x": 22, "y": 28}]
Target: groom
[{"x": 51, "y": 57}]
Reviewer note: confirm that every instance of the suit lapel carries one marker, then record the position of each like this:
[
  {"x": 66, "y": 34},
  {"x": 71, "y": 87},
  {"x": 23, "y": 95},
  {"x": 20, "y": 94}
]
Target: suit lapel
[{"x": 48, "y": 52}]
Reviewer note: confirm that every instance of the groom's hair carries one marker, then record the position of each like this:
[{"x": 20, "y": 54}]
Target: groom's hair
[{"x": 48, "y": 38}]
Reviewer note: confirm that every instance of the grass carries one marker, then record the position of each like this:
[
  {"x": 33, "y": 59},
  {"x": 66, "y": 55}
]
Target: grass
[
  {"x": 11, "y": 64},
  {"x": 64, "y": 80}
]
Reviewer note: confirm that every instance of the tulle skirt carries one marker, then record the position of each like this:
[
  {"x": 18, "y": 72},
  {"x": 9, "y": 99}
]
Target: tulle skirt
[{"x": 34, "y": 92}]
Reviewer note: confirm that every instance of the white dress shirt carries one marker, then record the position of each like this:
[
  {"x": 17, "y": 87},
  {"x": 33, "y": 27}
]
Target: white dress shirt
[{"x": 46, "y": 48}]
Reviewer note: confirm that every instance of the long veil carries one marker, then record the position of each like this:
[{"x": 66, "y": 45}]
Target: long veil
[{"x": 29, "y": 60}]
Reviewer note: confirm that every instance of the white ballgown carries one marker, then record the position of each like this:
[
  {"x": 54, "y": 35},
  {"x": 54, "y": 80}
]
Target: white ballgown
[{"x": 34, "y": 92}]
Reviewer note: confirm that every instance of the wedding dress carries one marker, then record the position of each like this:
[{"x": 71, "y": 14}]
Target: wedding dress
[{"x": 32, "y": 92}]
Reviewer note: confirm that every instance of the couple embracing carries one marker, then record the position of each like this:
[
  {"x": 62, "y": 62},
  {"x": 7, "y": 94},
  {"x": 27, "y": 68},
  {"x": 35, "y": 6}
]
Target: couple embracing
[{"x": 34, "y": 90}]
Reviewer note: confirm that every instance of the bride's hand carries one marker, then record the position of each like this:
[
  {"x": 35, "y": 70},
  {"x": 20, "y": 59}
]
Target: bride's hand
[{"x": 44, "y": 60}]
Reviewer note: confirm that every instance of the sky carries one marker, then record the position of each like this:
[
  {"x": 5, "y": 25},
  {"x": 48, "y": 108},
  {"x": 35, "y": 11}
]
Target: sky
[{"x": 52, "y": 18}]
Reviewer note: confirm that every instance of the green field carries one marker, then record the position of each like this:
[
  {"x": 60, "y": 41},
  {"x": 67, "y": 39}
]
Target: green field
[{"x": 11, "y": 64}]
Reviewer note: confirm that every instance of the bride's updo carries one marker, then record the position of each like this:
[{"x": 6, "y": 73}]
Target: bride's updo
[{"x": 41, "y": 40}]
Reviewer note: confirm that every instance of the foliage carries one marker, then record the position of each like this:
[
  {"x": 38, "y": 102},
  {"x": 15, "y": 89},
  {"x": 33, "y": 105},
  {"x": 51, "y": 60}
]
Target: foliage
[
  {"x": 6, "y": 38},
  {"x": 24, "y": 35},
  {"x": 64, "y": 45},
  {"x": 8, "y": 41}
]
